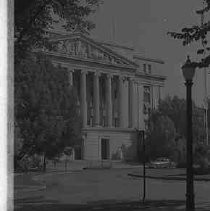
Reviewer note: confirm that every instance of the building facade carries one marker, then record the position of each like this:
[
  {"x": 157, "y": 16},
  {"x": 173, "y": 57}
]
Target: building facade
[{"x": 116, "y": 89}]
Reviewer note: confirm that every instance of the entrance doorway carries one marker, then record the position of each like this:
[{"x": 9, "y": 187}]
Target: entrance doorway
[{"x": 104, "y": 149}]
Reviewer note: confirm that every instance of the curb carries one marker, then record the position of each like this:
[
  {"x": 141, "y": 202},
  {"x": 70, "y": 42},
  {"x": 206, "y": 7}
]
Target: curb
[{"x": 168, "y": 178}]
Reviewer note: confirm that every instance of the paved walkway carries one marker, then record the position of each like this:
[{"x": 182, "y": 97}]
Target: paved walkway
[
  {"x": 27, "y": 184},
  {"x": 78, "y": 165},
  {"x": 107, "y": 190}
]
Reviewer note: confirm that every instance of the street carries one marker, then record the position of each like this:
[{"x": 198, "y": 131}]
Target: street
[{"x": 113, "y": 186}]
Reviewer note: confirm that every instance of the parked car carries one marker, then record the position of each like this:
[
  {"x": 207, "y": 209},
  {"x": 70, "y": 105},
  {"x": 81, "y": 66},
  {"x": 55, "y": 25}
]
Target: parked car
[{"x": 162, "y": 162}]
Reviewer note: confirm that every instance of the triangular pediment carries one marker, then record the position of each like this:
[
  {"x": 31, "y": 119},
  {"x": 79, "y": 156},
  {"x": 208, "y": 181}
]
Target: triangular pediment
[{"x": 84, "y": 48}]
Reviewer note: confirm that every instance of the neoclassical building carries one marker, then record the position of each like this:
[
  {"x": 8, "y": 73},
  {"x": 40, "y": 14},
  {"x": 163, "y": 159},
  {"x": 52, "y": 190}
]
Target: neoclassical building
[{"x": 116, "y": 87}]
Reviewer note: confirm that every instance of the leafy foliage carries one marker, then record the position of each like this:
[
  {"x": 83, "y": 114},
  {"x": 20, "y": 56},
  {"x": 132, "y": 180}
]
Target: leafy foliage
[
  {"x": 161, "y": 133},
  {"x": 201, "y": 151},
  {"x": 46, "y": 115},
  {"x": 168, "y": 124},
  {"x": 175, "y": 109},
  {"x": 45, "y": 108},
  {"x": 196, "y": 33},
  {"x": 33, "y": 17}
]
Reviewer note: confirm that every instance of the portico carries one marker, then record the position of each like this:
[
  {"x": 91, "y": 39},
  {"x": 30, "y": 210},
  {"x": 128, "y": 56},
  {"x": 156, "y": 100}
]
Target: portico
[{"x": 100, "y": 103}]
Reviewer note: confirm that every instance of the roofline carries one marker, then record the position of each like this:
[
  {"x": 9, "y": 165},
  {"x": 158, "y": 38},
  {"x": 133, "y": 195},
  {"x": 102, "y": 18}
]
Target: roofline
[
  {"x": 111, "y": 51},
  {"x": 95, "y": 40},
  {"x": 116, "y": 45},
  {"x": 154, "y": 76},
  {"x": 82, "y": 36},
  {"x": 149, "y": 59}
]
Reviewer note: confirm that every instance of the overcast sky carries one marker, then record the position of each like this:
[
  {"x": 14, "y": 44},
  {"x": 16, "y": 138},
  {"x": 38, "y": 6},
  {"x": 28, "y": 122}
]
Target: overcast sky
[{"x": 144, "y": 24}]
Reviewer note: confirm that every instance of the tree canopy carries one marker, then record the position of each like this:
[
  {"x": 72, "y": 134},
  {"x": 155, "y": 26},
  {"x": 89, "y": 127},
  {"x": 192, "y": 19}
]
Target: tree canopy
[
  {"x": 197, "y": 32},
  {"x": 34, "y": 17},
  {"x": 175, "y": 109},
  {"x": 46, "y": 114},
  {"x": 45, "y": 107},
  {"x": 161, "y": 133},
  {"x": 168, "y": 124}
]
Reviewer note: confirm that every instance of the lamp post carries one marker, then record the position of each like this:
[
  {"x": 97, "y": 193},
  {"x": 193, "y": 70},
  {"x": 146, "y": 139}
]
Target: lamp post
[
  {"x": 142, "y": 134},
  {"x": 188, "y": 72},
  {"x": 141, "y": 137}
]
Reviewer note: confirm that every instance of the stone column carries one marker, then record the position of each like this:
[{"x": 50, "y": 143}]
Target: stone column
[
  {"x": 109, "y": 99},
  {"x": 156, "y": 96},
  {"x": 160, "y": 92},
  {"x": 96, "y": 98},
  {"x": 141, "y": 106},
  {"x": 121, "y": 102},
  {"x": 132, "y": 109},
  {"x": 83, "y": 98},
  {"x": 70, "y": 72}
]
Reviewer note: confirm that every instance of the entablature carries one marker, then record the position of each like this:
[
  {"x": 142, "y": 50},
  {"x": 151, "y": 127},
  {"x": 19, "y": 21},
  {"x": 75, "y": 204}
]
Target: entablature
[{"x": 93, "y": 68}]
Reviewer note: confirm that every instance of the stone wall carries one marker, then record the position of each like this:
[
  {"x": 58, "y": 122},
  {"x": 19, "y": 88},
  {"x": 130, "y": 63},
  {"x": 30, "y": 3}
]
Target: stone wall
[{"x": 122, "y": 144}]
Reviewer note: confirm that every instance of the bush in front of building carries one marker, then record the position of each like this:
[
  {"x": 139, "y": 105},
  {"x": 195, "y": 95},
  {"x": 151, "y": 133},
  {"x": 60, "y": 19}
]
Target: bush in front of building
[
  {"x": 201, "y": 159},
  {"x": 29, "y": 163}
]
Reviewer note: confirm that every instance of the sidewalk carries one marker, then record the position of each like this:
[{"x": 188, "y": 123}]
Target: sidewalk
[
  {"x": 163, "y": 205},
  {"x": 78, "y": 165},
  {"x": 28, "y": 182}
]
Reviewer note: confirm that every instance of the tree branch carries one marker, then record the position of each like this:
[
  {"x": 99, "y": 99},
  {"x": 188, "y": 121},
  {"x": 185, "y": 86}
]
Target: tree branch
[{"x": 27, "y": 27}]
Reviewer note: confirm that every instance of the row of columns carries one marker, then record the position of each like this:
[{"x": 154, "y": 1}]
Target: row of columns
[{"x": 96, "y": 100}]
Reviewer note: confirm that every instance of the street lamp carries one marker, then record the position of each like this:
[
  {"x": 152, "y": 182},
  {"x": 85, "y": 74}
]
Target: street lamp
[{"x": 188, "y": 70}]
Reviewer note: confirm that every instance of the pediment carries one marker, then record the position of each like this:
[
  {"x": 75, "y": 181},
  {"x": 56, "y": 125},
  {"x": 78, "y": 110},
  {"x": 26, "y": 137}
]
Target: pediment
[{"x": 85, "y": 48}]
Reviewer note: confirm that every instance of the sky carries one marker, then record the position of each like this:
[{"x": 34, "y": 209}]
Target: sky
[{"x": 144, "y": 24}]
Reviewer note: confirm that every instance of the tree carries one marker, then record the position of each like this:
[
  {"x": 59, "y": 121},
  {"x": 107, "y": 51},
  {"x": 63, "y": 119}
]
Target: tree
[
  {"x": 201, "y": 152},
  {"x": 34, "y": 17},
  {"x": 175, "y": 109},
  {"x": 172, "y": 111},
  {"x": 46, "y": 114},
  {"x": 45, "y": 111},
  {"x": 196, "y": 33},
  {"x": 160, "y": 137}
]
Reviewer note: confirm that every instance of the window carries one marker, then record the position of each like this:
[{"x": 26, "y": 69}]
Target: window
[
  {"x": 105, "y": 149},
  {"x": 115, "y": 94},
  {"x": 116, "y": 122},
  {"x": 147, "y": 94},
  {"x": 147, "y": 99},
  {"x": 144, "y": 68},
  {"x": 147, "y": 68}
]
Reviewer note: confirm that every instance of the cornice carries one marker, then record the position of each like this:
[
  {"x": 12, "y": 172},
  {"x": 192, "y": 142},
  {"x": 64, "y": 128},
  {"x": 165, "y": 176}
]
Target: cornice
[
  {"x": 107, "y": 129},
  {"x": 88, "y": 60},
  {"x": 151, "y": 76},
  {"x": 148, "y": 59}
]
